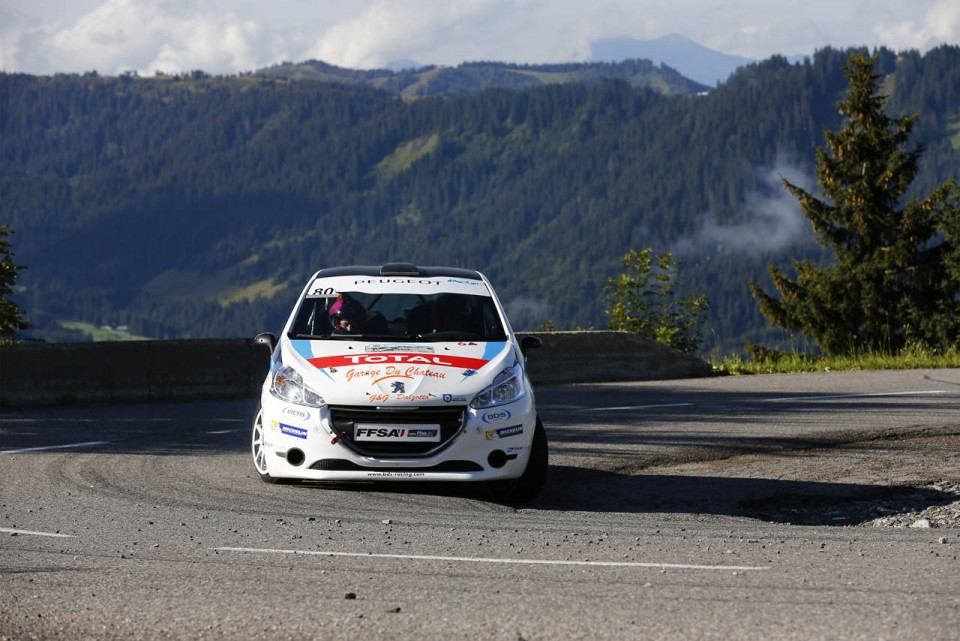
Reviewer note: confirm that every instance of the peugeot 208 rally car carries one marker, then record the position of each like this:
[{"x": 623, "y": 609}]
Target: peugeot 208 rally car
[{"x": 400, "y": 373}]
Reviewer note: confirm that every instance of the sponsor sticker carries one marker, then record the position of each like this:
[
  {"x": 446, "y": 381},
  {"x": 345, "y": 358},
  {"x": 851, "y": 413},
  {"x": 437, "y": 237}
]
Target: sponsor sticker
[
  {"x": 392, "y": 433},
  {"x": 396, "y": 475},
  {"x": 395, "y": 358},
  {"x": 376, "y": 349},
  {"x": 496, "y": 417},
  {"x": 504, "y": 432},
  {"x": 292, "y": 430},
  {"x": 454, "y": 398},
  {"x": 296, "y": 412}
]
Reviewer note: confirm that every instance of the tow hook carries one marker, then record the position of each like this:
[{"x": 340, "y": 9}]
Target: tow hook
[{"x": 336, "y": 439}]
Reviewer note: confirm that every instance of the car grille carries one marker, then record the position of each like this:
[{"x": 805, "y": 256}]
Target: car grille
[
  {"x": 449, "y": 418},
  {"x": 342, "y": 465}
]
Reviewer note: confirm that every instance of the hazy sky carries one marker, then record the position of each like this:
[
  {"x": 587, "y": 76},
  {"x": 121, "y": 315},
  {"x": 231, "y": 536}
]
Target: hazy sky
[{"x": 228, "y": 36}]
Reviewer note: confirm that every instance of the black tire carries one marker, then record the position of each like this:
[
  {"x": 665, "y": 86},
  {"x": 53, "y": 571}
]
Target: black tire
[
  {"x": 528, "y": 486},
  {"x": 256, "y": 447}
]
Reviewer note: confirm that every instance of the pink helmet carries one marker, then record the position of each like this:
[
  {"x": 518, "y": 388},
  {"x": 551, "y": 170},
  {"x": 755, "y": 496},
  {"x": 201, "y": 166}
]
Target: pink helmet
[{"x": 347, "y": 316}]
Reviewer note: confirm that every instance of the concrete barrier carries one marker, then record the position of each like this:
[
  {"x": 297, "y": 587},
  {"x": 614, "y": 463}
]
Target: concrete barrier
[
  {"x": 595, "y": 357},
  {"x": 43, "y": 374},
  {"x": 47, "y": 374}
]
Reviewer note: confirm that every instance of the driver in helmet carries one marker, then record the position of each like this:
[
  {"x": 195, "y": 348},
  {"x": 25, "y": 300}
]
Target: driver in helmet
[{"x": 347, "y": 316}]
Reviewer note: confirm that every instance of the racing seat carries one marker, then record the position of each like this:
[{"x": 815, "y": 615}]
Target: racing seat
[
  {"x": 418, "y": 320},
  {"x": 449, "y": 313},
  {"x": 452, "y": 313},
  {"x": 377, "y": 324}
]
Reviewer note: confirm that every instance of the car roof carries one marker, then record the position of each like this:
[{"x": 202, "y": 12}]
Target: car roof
[{"x": 399, "y": 269}]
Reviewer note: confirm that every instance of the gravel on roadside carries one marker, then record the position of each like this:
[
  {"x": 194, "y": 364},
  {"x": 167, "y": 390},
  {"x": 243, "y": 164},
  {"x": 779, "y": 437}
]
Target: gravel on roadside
[{"x": 935, "y": 516}]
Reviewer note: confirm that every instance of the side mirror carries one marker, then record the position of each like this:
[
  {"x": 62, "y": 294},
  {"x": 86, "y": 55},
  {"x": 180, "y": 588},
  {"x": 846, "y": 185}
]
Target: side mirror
[
  {"x": 529, "y": 342},
  {"x": 267, "y": 339}
]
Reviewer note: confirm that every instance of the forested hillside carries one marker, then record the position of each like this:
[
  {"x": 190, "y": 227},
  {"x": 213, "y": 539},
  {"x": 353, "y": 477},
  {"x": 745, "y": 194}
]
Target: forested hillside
[
  {"x": 471, "y": 77},
  {"x": 197, "y": 206}
]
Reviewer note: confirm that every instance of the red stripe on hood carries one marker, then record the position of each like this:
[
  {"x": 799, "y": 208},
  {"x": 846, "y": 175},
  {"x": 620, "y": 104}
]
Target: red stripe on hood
[{"x": 393, "y": 358}]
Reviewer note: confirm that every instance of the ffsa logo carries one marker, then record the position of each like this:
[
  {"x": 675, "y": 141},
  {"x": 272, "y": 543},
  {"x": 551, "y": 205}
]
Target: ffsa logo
[{"x": 370, "y": 433}]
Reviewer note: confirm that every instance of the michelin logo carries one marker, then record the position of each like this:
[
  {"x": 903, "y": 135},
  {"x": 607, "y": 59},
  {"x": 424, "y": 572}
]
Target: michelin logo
[
  {"x": 291, "y": 430},
  {"x": 504, "y": 432}
]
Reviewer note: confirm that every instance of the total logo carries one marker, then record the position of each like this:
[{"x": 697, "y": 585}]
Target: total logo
[
  {"x": 296, "y": 412},
  {"x": 348, "y": 360},
  {"x": 496, "y": 417}
]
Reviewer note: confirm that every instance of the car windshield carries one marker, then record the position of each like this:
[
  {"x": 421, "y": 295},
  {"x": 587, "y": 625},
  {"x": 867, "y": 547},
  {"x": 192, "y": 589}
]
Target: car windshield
[{"x": 438, "y": 316}]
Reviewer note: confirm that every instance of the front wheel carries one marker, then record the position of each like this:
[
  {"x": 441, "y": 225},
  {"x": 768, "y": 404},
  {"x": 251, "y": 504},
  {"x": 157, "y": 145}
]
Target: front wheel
[
  {"x": 528, "y": 486},
  {"x": 259, "y": 454}
]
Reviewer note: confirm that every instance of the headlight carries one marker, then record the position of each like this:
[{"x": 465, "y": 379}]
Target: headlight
[
  {"x": 506, "y": 388},
  {"x": 288, "y": 385}
]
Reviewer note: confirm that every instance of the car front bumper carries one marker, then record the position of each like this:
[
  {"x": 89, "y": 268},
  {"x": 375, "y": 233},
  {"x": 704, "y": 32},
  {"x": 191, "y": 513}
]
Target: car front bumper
[{"x": 305, "y": 443}]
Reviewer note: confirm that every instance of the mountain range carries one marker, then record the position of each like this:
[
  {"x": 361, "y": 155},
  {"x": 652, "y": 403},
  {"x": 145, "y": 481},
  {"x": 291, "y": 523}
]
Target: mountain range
[
  {"x": 702, "y": 65},
  {"x": 196, "y": 206},
  {"x": 667, "y": 64}
]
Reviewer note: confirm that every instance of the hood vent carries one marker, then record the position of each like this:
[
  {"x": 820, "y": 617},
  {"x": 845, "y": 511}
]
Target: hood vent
[{"x": 399, "y": 269}]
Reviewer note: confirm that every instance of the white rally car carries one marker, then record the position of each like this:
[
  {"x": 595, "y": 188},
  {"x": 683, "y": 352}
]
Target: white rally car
[{"x": 400, "y": 373}]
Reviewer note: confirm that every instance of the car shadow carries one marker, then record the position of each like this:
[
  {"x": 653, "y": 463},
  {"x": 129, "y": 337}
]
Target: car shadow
[
  {"x": 573, "y": 489},
  {"x": 772, "y": 500}
]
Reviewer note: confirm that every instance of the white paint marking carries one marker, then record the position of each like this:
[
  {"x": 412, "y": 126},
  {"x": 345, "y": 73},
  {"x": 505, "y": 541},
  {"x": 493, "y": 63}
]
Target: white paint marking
[
  {"x": 471, "y": 559},
  {"x": 53, "y": 447},
  {"x": 630, "y": 407},
  {"x": 52, "y": 420},
  {"x": 8, "y": 530},
  {"x": 832, "y": 396},
  {"x": 222, "y": 431}
]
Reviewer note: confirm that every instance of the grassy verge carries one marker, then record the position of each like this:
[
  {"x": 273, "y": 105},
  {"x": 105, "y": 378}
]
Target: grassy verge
[
  {"x": 773, "y": 362},
  {"x": 97, "y": 334}
]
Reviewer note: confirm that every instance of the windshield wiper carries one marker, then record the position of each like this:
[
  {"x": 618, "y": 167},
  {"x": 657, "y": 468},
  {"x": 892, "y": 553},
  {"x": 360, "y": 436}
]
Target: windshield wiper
[
  {"x": 446, "y": 337},
  {"x": 308, "y": 336}
]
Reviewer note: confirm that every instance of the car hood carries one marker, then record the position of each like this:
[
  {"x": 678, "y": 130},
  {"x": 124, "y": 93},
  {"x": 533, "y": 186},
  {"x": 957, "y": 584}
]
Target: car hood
[{"x": 364, "y": 373}]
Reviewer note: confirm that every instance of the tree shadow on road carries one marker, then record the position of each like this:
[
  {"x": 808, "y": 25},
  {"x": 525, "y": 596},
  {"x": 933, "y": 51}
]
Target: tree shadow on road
[{"x": 780, "y": 501}]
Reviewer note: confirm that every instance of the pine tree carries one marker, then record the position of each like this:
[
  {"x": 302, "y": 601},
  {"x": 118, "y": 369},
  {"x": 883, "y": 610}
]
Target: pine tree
[
  {"x": 11, "y": 316},
  {"x": 890, "y": 282}
]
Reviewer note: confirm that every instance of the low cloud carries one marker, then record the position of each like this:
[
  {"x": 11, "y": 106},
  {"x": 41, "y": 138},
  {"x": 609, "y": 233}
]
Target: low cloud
[
  {"x": 528, "y": 312},
  {"x": 940, "y": 24},
  {"x": 226, "y": 36},
  {"x": 771, "y": 219},
  {"x": 447, "y": 32},
  {"x": 143, "y": 36}
]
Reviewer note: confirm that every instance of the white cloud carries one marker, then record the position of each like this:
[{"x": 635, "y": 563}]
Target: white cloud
[
  {"x": 772, "y": 221},
  {"x": 940, "y": 24},
  {"x": 142, "y": 35},
  {"x": 18, "y": 32},
  {"x": 446, "y": 32},
  {"x": 227, "y": 36}
]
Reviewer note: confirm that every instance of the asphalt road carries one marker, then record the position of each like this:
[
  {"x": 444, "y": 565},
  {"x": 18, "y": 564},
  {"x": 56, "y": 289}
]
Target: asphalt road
[{"x": 730, "y": 508}]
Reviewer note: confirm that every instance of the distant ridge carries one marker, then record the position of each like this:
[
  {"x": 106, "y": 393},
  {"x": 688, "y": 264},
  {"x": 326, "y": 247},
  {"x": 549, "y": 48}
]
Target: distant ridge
[
  {"x": 471, "y": 77},
  {"x": 671, "y": 65},
  {"x": 705, "y": 66}
]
